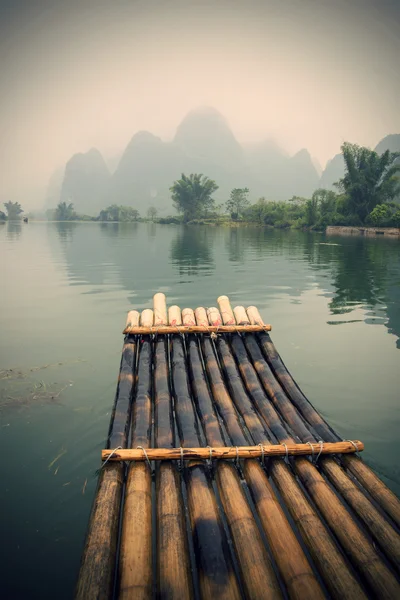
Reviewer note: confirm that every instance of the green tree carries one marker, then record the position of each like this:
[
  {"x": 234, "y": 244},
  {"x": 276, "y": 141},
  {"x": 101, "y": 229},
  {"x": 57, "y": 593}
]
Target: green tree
[
  {"x": 192, "y": 195},
  {"x": 65, "y": 212},
  {"x": 119, "y": 213},
  {"x": 13, "y": 210},
  {"x": 238, "y": 202},
  {"x": 370, "y": 179},
  {"x": 3, "y": 216},
  {"x": 152, "y": 213}
]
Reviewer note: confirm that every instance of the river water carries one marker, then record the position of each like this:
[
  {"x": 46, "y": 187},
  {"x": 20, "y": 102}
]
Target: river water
[{"x": 334, "y": 303}]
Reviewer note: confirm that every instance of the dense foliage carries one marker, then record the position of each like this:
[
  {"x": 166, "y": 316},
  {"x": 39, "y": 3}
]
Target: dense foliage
[
  {"x": 119, "y": 213},
  {"x": 13, "y": 210},
  {"x": 237, "y": 203},
  {"x": 370, "y": 179},
  {"x": 65, "y": 212},
  {"x": 192, "y": 195}
]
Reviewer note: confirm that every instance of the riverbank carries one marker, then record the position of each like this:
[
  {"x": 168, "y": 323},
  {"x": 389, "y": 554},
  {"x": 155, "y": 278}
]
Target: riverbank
[{"x": 389, "y": 231}]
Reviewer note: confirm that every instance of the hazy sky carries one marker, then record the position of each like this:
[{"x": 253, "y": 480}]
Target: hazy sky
[{"x": 78, "y": 74}]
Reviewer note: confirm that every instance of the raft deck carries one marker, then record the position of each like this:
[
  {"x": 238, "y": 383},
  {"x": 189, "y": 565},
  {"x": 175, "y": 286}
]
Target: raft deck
[{"x": 220, "y": 479}]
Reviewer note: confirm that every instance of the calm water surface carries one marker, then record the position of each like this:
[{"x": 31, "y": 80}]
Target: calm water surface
[{"x": 334, "y": 304}]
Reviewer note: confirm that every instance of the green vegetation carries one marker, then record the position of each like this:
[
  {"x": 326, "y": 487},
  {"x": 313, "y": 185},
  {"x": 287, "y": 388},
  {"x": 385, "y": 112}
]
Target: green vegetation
[
  {"x": 65, "y": 212},
  {"x": 365, "y": 196},
  {"x": 13, "y": 210},
  {"x": 237, "y": 203},
  {"x": 370, "y": 179},
  {"x": 152, "y": 213},
  {"x": 119, "y": 213},
  {"x": 192, "y": 196}
]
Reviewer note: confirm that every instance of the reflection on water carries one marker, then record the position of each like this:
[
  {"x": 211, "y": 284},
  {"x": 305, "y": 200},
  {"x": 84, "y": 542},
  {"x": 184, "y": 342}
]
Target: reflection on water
[
  {"x": 192, "y": 250},
  {"x": 65, "y": 290}
]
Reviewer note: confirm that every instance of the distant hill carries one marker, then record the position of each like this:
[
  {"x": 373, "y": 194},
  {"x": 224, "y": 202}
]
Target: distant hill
[
  {"x": 389, "y": 142},
  {"x": 86, "y": 182},
  {"x": 203, "y": 143}
]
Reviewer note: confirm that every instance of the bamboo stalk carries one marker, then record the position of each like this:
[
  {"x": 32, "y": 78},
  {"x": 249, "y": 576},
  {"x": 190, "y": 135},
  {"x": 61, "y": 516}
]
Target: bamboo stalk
[
  {"x": 97, "y": 569},
  {"x": 258, "y": 577},
  {"x": 132, "y": 320},
  {"x": 215, "y": 570},
  {"x": 146, "y": 320},
  {"x": 228, "y": 317},
  {"x": 160, "y": 309},
  {"x": 214, "y": 317},
  {"x": 165, "y": 329},
  {"x": 174, "y": 577},
  {"x": 368, "y": 562},
  {"x": 291, "y": 561},
  {"x": 135, "y": 561},
  {"x": 201, "y": 316},
  {"x": 241, "y": 316},
  {"x": 382, "y": 532},
  {"x": 96, "y": 574},
  {"x": 368, "y": 479},
  {"x": 233, "y": 452},
  {"x": 188, "y": 317},
  {"x": 174, "y": 316},
  {"x": 329, "y": 561}
]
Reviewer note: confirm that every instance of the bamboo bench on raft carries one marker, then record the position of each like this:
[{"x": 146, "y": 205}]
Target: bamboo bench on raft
[{"x": 220, "y": 479}]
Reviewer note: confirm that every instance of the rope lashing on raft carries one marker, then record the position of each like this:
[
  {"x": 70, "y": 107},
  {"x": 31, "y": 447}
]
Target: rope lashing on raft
[
  {"x": 112, "y": 453},
  {"x": 355, "y": 446},
  {"x": 237, "y": 453},
  {"x": 262, "y": 454},
  {"x": 145, "y": 456}
]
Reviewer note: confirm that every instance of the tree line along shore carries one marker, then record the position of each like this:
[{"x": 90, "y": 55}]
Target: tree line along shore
[{"x": 368, "y": 194}]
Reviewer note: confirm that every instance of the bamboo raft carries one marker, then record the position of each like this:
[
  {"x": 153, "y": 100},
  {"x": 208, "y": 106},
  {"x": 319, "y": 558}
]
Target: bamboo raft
[{"x": 220, "y": 479}]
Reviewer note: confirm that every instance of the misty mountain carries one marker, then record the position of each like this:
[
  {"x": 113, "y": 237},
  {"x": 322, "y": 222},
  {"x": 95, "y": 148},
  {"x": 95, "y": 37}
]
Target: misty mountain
[
  {"x": 53, "y": 191},
  {"x": 334, "y": 169},
  {"x": 86, "y": 182},
  {"x": 389, "y": 142},
  {"x": 203, "y": 143}
]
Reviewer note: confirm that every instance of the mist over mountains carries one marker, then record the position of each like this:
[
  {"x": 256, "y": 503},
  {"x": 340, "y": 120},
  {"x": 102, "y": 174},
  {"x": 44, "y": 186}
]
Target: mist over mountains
[{"x": 203, "y": 143}]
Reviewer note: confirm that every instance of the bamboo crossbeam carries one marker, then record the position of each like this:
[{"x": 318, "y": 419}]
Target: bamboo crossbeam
[
  {"x": 165, "y": 329},
  {"x": 233, "y": 452}
]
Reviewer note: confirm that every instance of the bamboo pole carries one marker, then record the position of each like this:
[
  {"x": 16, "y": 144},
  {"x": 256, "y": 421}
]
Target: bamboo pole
[
  {"x": 368, "y": 479},
  {"x": 165, "y": 329},
  {"x": 188, "y": 317},
  {"x": 174, "y": 316},
  {"x": 216, "y": 575},
  {"x": 214, "y": 317},
  {"x": 368, "y": 562},
  {"x": 135, "y": 560},
  {"x": 232, "y": 452},
  {"x": 228, "y": 317},
  {"x": 377, "y": 489},
  {"x": 290, "y": 559},
  {"x": 132, "y": 319},
  {"x": 146, "y": 321},
  {"x": 257, "y": 574},
  {"x": 97, "y": 569},
  {"x": 174, "y": 579},
  {"x": 160, "y": 309},
  {"x": 329, "y": 561},
  {"x": 241, "y": 315},
  {"x": 201, "y": 316}
]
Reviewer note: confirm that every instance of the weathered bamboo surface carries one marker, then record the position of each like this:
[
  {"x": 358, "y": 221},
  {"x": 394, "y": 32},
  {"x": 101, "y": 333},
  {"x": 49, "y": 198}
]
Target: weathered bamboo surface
[
  {"x": 235, "y": 486},
  {"x": 179, "y": 328},
  {"x": 233, "y": 452}
]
